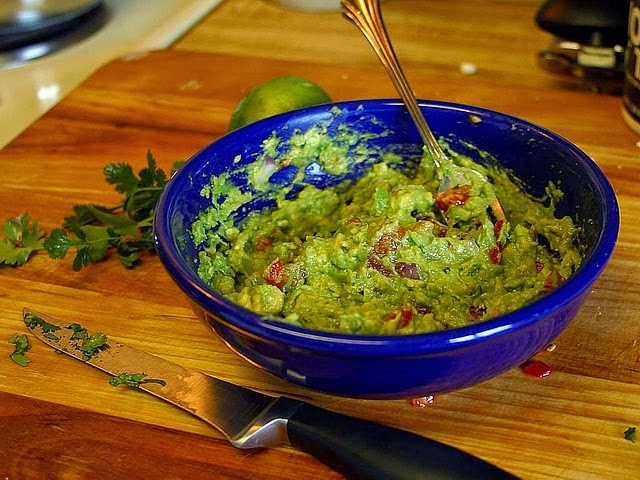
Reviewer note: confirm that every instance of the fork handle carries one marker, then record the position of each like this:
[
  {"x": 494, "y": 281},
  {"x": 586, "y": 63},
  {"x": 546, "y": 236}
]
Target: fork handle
[{"x": 367, "y": 16}]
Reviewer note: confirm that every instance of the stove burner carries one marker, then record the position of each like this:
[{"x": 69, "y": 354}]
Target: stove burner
[{"x": 34, "y": 36}]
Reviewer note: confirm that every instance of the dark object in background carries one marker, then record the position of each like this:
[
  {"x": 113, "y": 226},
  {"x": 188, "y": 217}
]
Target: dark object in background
[
  {"x": 631, "y": 91},
  {"x": 588, "y": 22},
  {"x": 30, "y": 30},
  {"x": 589, "y": 43}
]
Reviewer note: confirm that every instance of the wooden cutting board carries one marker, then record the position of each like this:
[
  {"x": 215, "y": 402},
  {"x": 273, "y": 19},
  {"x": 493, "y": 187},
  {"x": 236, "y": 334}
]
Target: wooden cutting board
[{"x": 60, "y": 419}]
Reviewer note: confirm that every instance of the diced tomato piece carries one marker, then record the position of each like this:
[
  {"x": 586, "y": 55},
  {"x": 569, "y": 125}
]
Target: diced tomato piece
[
  {"x": 375, "y": 263},
  {"x": 406, "y": 317},
  {"x": 389, "y": 316},
  {"x": 495, "y": 254},
  {"x": 553, "y": 280},
  {"x": 276, "y": 274},
  {"x": 385, "y": 244},
  {"x": 263, "y": 244},
  {"x": 453, "y": 196},
  {"x": 497, "y": 228},
  {"x": 389, "y": 242},
  {"x": 536, "y": 368}
]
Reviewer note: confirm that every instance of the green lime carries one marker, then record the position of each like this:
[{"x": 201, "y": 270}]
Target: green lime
[{"x": 280, "y": 94}]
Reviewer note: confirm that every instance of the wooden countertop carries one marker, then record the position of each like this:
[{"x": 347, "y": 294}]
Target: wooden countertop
[{"x": 60, "y": 419}]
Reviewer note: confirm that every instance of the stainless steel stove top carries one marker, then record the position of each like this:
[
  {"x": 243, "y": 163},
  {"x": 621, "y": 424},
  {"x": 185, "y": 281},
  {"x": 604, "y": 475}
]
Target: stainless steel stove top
[
  {"x": 33, "y": 29},
  {"x": 33, "y": 81}
]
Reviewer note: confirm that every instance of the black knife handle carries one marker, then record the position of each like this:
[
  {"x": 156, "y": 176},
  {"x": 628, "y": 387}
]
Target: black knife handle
[{"x": 371, "y": 451}]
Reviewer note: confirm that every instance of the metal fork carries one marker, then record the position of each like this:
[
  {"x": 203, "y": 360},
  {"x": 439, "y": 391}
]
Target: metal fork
[{"x": 366, "y": 15}]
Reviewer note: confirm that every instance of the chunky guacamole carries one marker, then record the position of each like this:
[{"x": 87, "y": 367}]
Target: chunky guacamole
[{"x": 407, "y": 248}]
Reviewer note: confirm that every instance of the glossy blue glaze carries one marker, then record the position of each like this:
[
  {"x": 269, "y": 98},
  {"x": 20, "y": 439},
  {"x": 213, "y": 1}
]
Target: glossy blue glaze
[{"x": 397, "y": 366}]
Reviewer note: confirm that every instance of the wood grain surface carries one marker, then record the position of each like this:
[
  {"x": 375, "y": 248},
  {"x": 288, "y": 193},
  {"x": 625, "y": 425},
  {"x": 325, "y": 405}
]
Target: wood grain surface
[{"x": 61, "y": 419}]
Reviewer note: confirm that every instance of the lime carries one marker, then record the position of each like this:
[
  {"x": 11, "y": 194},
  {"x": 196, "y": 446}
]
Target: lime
[{"x": 280, "y": 94}]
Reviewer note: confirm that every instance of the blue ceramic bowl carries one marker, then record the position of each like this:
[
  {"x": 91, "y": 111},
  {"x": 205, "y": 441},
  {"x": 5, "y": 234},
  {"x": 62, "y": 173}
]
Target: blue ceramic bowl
[{"x": 397, "y": 366}]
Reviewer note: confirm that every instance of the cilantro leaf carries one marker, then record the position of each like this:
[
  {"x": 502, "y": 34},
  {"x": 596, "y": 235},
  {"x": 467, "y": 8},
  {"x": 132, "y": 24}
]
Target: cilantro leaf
[
  {"x": 96, "y": 241},
  {"x": 88, "y": 345},
  {"x": 140, "y": 202},
  {"x": 21, "y": 240},
  {"x": 128, "y": 260},
  {"x": 22, "y": 344},
  {"x": 134, "y": 380},
  {"x": 630, "y": 434},
  {"x": 84, "y": 215},
  {"x": 152, "y": 175},
  {"x": 119, "y": 222},
  {"x": 121, "y": 175},
  {"x": 32, "y": 321},
  {"x": 20, "y": 359},
  {"x": 91, "y": 244},
  {"x": 93, "y": 345},
  {"x": 58, "y": 243},
  {"x": 79, "y": 332}
]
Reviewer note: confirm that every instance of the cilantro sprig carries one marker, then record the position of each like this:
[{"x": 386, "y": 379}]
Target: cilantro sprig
[
  {"x": 94, "y": 231},
  {"x": 127, "y": 228}
]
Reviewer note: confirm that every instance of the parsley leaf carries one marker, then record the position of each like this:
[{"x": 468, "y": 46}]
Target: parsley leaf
[
  {"x": 22, "y": 344},
  {"x": 134, "y": 380},
  {"x": 21, "y": 240}
]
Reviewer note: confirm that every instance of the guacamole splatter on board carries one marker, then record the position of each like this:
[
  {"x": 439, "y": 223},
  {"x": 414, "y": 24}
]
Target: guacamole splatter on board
[{"x": 405, "y": 249}]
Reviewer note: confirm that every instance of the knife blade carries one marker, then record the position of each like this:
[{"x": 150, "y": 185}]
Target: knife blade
[{"x": 357, "y": 448}]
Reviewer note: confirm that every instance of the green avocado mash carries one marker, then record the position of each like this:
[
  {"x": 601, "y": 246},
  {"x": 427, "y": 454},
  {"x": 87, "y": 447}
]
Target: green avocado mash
[{"x": 402, "y": 250}]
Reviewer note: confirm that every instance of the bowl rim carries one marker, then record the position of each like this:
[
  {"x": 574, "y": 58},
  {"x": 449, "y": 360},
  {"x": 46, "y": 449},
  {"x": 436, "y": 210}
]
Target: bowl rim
[{"x": 342, "y": 344}]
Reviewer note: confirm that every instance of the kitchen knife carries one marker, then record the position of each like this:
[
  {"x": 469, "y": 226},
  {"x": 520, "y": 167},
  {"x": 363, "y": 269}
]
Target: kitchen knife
[{"x": 357, "y": 448}]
